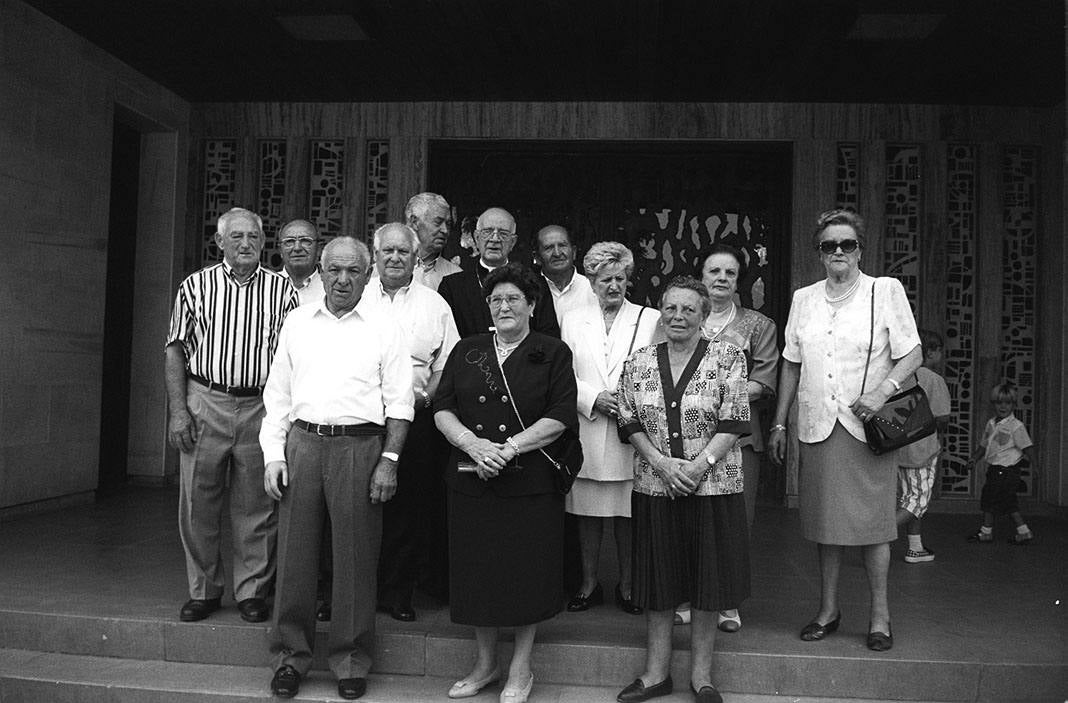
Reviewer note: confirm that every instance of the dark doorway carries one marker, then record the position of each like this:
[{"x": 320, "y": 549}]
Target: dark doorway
[{"x": 118, "y": 310}]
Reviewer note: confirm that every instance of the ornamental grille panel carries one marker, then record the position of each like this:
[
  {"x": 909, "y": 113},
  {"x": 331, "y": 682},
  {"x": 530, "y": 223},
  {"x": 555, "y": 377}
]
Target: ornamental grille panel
[
  {"x": 270, "y": 196},
  {"x": 326, "y": 186},
  {"x": 959, "y": 351},
  {"x": 1019, "y": 196},
  {"x": 901, "y": 257},
  {"x": 220, "y": 186},
  {"x": 376, "y": 212},
  {"x": 846, "y": 185}
]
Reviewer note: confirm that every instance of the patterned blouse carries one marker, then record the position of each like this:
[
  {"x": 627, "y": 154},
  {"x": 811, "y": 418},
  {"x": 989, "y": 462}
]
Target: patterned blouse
[{"x": 680, "y": 420}]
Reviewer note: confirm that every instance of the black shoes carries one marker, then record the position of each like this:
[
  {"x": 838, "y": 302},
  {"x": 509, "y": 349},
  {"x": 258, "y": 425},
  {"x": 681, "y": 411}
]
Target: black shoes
[
  {"x": 324, "y": 612},
  {"x": 585, "y": 602},
  {"x": 814, "y": 631},
  {"x": 880, "y": 641},
  {"x": 286, "y": 682},
  {"x": 351, "y": 689},
  {"x": 626, "y": 604},
  {"x": 253, "y": 610},
  {"x": 198, "y": 609},
  {"x": 637, "y": 691},
  {"x": 706, "y": 694},
  {"x": 398, "y": 611}
]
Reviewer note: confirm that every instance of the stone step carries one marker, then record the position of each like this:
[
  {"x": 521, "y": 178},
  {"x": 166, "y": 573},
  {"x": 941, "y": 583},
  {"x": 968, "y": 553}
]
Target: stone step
[
  {"x": 565, "y": 655},
  {"x": 52, "y": 677}
]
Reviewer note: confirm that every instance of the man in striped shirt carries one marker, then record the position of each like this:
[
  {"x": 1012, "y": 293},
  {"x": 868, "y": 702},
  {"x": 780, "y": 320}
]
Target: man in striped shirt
[{"x": 223, "y": 334}]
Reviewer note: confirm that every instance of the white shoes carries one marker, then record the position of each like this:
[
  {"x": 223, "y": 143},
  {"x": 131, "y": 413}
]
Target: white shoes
[
  {"x": 517, "y": 695},
  {"x": 466, "y": 689}
]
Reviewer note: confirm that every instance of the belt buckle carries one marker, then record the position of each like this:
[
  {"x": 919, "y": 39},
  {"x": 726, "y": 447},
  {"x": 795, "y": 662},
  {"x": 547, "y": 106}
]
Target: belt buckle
[{"x": 319, "y": 431}]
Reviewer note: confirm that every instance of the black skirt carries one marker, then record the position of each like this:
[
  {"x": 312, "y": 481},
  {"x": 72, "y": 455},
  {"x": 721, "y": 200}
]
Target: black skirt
[
  {"x": 505, "y": 558},
  {"x": 692, "y": 549}
]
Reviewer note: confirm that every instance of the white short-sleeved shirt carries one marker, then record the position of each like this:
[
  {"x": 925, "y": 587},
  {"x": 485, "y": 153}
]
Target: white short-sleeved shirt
[
  {"x": 831, "y": 344},
  {"x": 920, "y": 453},
  {"x": 1005, "y": 441}
]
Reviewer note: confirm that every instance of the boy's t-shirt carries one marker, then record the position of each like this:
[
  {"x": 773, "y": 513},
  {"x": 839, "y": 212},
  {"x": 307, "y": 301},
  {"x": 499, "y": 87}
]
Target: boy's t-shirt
[
  {"x": 1004, "y": 440},
  {"x": 919, "y": 454}
]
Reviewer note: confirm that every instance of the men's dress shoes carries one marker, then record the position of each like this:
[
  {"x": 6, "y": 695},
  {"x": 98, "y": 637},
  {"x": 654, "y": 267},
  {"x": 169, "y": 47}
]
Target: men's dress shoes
[
  {"x": 351, "y": 689},
  {"x": 198, "y": 609},
  {"x": 253, "y": 610},
  {"x": 880, "y": 641},
  {"x": 814, "y": 631},
  {"x": 398, "y": 611},
  {"x": 324, "y": 612},
  {"x": 585, "y": 602},
  {"x": 286, "y": 682},
  {"x": 706, "y": 694},
  {"x": 637, "y": 691}
]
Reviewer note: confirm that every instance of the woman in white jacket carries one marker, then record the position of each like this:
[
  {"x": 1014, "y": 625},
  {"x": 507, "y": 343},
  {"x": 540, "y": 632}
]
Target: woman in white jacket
[{"x": 601, "y": 338}]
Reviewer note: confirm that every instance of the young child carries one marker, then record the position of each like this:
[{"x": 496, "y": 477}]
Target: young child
[
  {"x": 1006, "y": 446},
  {"x": 918, "y": 462}
]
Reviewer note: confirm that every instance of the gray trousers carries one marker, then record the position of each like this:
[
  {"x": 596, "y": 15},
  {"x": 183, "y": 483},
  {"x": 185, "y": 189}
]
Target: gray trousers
[
  {"x": 328, "y": 475},
  {"x": 226, "y": 459}
]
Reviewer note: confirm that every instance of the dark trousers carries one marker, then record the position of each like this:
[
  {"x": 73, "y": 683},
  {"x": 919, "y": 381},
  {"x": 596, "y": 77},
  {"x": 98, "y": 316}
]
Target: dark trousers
[
  {"x": 407, "y": 519},
  {"x": 327, "y": 475}
]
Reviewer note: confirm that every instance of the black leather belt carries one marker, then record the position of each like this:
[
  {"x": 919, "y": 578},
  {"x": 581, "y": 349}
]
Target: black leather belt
[
  {"x": 366, "y": 429},
  {"x": 237, "y": 391}
]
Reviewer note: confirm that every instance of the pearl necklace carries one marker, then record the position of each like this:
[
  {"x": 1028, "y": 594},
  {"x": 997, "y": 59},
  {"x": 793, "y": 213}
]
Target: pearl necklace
[
  {"x": 730, "y": 318},
  {"x": 504, "y": 349},
  {"x": 843, "y": 296}
]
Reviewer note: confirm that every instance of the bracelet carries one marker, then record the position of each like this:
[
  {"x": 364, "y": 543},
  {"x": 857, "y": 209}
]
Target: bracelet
[
  {"x": 513, "y": 444},
  {"x": 461, "y": 436},
  {"x": 895, "y": 384},
  {"x": 775, "y": 428},
  {"x": 426, "y": 398}
]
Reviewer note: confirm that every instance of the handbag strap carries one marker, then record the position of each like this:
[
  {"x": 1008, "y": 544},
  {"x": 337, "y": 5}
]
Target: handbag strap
[
  {"x": 511, "y": 399},
  {"x": 871, "y": 339},
  {"x": 635, "y": 335}
]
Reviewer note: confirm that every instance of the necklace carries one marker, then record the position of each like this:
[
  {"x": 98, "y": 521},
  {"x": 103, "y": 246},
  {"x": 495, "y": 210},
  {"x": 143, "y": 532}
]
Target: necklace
[
  {"x": 503, "y": 348},
  {"x": 716, "y": 329},
  {"x": 843, "y": 296},
  {"x": 428, "y": 262}
]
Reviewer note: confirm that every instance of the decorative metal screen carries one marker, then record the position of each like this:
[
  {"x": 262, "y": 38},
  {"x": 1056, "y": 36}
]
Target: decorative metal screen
[
  {"x": 901, "y": 257},
  {"x": 220, "y": 185},
  {"x": 1019, "y": 195},
  {"x": 376, "y": 213},
  {"x": 846, "y": 182},
  {"x": 270, "y": 196},
  {"x": 959, "y": 352},
  {"x": 326, "y": 186}
]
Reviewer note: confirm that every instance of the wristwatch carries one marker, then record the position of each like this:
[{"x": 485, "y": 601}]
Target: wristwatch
[
  {"x": 426, "y": 398},
  {"x": 392, "y": 456},
  {"x": 711, "y": 459}
]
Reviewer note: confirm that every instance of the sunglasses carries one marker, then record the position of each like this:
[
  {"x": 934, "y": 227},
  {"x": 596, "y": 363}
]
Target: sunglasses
[{"x": 829, "y": 246}]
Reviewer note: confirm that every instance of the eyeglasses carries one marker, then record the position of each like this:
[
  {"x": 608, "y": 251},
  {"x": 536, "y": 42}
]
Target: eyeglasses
[
  {"x": 494, "y": 301},
  {"x": 830, "y": 246},
  {"x": 290, "y": 242},
  {"x": 488, "y": 232}
]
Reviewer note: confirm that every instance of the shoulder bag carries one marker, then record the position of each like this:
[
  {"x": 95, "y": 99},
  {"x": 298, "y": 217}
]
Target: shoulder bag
[{"x": 905, "y": 417}]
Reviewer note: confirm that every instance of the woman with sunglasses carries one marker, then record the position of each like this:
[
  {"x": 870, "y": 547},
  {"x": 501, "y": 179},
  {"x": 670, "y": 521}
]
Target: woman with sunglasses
[{"x": 847, "y": 493}]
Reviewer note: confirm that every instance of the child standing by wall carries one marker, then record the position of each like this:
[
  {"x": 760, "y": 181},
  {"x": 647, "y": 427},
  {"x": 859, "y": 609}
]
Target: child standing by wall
[
  {"x": 918, "y": 462},
  {"x": 1006, "y": 447}
]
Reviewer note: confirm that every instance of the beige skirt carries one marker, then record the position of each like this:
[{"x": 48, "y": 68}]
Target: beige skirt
[
  {"x": 599, "y": 498},
  {"x": 847, "y": 493}
]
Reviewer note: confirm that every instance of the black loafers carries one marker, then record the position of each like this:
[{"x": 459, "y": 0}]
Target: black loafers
[
  {"x": 581, "y": 602},
  {"x": 351, "y": 689},
  {"x": 637, "y": 691},
  {"x": 814, "y": 631},
  {"x": 706, "y": 694},
  {"x": 626, "y": 604},
  {"x": 198, "y": 609},
  {"x": 253, "y": 610},
  {"x": 880, "y": 641},
  {"x": 398, "y": 611},
  {"x": 286, "y": 682},
  {"x": 324, "y": 612}
]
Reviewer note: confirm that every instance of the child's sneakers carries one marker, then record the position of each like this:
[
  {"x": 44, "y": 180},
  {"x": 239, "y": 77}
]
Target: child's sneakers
[
  {"x": 1021, "y": 539},
  {"x": 913, "y": 556},
  {"x": 981, "y": 536}
]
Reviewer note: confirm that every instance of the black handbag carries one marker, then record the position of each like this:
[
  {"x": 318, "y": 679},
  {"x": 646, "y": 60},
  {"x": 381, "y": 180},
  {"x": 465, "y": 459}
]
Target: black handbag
[
  {"x": 906, "y": 416},
  {"x": 566, "y": 447}
]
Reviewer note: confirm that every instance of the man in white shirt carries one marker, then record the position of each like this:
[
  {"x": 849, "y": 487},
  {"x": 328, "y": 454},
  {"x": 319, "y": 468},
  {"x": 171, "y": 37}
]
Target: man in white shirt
[
  {"x": 428, "y": 214},
  {"x": 569, "y": 289},
  {"x": 340, "y": 380},
  {"x": 427, "y": 322},
  {"x": 298, "y": 244}
]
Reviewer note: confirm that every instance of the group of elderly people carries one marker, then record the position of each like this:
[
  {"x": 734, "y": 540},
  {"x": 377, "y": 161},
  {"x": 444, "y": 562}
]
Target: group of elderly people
[{"x": 665, "y": 404}]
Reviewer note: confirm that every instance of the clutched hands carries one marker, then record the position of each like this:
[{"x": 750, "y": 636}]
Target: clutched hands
[
  {"x": 606, "y": 403},
  {"x": 489, "y": 457},
  {"x": 676, "y": 476}
]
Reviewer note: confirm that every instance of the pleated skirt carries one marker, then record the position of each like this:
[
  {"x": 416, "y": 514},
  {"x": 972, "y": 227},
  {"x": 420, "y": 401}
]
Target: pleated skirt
[
  {"x": 692, "y": 549},
  {"x": 505, "y": 558},
  {"x": 847, "y": 494}
]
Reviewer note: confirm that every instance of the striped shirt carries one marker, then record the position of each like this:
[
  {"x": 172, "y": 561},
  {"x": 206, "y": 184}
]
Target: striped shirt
[{"x": 229, "y": 330}]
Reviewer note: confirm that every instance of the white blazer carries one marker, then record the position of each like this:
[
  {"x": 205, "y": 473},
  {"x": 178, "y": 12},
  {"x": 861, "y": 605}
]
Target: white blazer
[{"x": 598, "y": 361}]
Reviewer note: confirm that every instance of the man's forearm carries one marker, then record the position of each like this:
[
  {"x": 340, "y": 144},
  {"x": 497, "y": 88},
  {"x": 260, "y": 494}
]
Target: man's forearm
[
  {"x": 396, "y": 433},
  {"x": 175, "y": 376}
]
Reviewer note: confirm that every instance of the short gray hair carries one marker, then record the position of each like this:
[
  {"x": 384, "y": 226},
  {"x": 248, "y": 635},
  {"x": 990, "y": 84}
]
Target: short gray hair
[
  {"x": 419, "y": 203},
  {"x": 602, "y": 253},
  {"x": 413, "y": 238},
  {"x": 360, "y": 247},
  {"x": 690, "y": 283},
  {"x": 298, "y": 223},
  {"x": 222, "y": 226}
]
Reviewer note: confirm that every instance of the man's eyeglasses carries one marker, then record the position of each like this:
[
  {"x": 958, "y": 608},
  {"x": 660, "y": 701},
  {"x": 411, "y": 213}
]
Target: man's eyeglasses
[
  {"x": 495, "y": 301},
  {"x": 830, "y": 246},
  {"x": 501, "y": 232},
  {"x": 290, "y": 242}
]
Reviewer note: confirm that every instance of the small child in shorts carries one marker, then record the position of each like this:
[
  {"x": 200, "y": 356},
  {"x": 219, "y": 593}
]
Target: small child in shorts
[
  {"x": 918, "y": 462},
  {"x": 1007, "y": 448}
]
